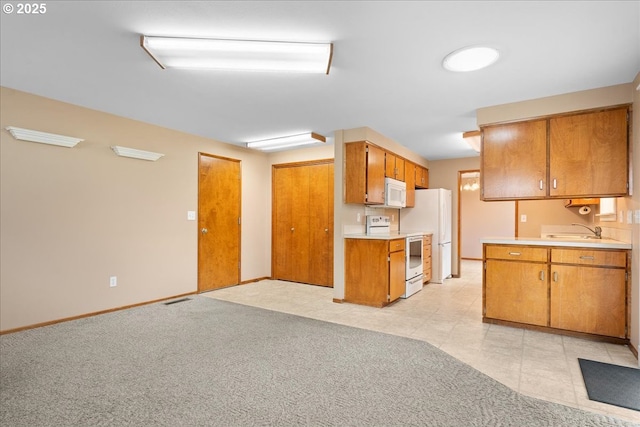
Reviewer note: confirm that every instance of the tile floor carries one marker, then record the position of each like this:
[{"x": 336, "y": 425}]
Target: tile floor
[{"x": 448, "y": 316}]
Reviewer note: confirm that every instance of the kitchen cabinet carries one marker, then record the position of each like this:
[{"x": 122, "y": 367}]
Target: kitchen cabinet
[
  {"x": 374, "y": 271},
  {"x": 364, "y": 173},
  {"x": 572, "y": 155},
  {"x": 588, "y": 154},
  {"x": 302, "y": 247},
  {"x": 422, "y": 177},
  {"x": 516, "y": 284},
  {"x": 394, "y": 166},
  {"x": 426, "y": 258},
  {"x": 577, "y": 289},
  {"x": 514, "y": 161},
  {"x": 588, "y": 291},
  {"x": 410, "y": 180}
]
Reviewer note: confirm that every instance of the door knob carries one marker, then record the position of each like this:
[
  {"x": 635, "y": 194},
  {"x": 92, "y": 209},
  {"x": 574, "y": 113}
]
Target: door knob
[{"x": 204, "y": 231}]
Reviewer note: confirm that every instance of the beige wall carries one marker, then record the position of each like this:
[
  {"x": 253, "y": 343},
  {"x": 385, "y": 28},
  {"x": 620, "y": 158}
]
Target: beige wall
[
  {"x": 72, "y": 217},
  {"x": 548, "y": 212}
]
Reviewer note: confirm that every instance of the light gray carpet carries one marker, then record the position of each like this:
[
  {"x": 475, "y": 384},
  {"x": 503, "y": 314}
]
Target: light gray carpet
[{"x": 205, "y": 362}]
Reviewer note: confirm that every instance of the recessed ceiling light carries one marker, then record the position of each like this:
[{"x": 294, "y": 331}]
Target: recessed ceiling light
[{"x": 470, "y": 58}]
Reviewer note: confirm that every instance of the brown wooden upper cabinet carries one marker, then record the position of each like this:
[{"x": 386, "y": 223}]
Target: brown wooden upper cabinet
[
  {"x": 410, "y": 179},
  {"x": 583, "y": 154},
  {"x": 364, "y": 173},
  {"x": 588, "y": 154},
  {"x": 514, "y": 161},
  {"x": 394, "y": 166},
  {"x": 422, "y": 177}
]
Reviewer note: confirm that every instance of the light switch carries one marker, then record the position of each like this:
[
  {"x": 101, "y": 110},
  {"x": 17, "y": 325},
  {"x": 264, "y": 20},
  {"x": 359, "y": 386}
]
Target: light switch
[
  {"x": 191, "y": 215},
  {"x": 636, "y": 215},
  {"x": 629, "y": 217}
]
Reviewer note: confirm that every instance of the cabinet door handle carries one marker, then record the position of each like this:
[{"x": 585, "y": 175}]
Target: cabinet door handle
[
  {"x": 588, "y": 257},
  {"x": 555, "y": 276},
  {"x": 542, "y": 275},
  {"x": 541, "y": 185},
  {"x": 555, "y": 183},
  {"x": 292, "y": 228},
  {"x": 514, "y": 253}
]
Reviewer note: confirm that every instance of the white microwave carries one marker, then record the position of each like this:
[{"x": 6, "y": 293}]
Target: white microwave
[{"x": 395, "y": 193}]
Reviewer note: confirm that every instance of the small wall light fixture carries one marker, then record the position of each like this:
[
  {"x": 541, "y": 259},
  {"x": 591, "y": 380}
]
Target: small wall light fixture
[
  {"x": 286, "y": 142},
  {"x": 43, "y": 137},
  {"x": 135, "y": 153},
  {"x": 243, "y": 55}
]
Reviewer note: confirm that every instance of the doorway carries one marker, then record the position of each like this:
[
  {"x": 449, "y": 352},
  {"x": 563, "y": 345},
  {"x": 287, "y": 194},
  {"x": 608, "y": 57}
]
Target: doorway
[
  {"x": 219, "y": 187},
  {"x": 478, "y": 219}
]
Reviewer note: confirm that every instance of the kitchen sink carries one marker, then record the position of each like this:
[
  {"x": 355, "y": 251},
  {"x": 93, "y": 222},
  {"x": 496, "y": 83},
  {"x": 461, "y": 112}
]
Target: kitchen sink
[{"x": 569, "y": 236}]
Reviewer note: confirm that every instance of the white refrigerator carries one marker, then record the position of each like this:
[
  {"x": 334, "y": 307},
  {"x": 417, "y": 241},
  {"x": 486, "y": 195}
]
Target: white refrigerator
[{"x": 432, "y": 213}]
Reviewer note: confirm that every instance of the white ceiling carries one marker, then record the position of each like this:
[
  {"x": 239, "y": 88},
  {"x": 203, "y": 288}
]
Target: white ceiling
[{"x": 386, "y": 72}]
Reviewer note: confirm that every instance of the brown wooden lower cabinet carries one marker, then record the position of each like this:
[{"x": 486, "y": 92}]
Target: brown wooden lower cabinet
[
  {"x": 588, "y": 299},
  {"x": 579, "y": 290},
  {"x": 374, "y": 271},
  {"x": 517, "y": 291},
  {"x": 426, "y": 257}
]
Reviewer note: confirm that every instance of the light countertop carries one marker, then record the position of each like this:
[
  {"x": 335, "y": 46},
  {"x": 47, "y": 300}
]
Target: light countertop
[
  {"x": 387, "y": 236},
  {"x": 603, "y": 243}
]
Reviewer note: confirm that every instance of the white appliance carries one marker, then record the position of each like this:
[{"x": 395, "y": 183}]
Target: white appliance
[
  {"x": 378, "y": 224},
  {"x": 414, "y": 264},
  {"x": 395, "y": 194},
  {"x": 432, "y": 213}
]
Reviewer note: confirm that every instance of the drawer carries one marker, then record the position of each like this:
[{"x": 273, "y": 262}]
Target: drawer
[
  {"x": 426, "y": 240},
  {"x": 589, "y": 257},
  {"x": 426, "y": 264},
  {"x": 516, "y": 253},
  {"x": 426, "y": 251},
  {"x": 396, "y": 245}
]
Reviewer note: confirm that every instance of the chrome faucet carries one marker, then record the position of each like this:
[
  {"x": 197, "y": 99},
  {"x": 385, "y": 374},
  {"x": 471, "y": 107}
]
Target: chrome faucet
[{"x": 597, "y": 231}]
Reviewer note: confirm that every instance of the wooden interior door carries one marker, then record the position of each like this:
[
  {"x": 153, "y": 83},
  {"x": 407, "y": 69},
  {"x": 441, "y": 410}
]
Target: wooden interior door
[
  {"x": 321, "y": 224},
  {"x": 302, "y": 231},
  {"x": 219, "y": 188}
]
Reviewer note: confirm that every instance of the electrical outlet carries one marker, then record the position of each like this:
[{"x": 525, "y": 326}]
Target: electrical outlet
[
  {"x": 191, "y": 215},
  {"x": 113, "y": 281},
  {"x": 523, "y": 218},
  {"x": 629, "y": 217},
  {"x": 636, "y": 215},
  {"x": 358, "y": 217}
]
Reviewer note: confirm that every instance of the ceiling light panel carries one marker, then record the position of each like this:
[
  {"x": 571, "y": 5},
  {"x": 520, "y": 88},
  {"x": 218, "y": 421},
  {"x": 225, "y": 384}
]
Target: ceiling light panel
[
  {"x": 287, "y": 142},
  {"x": 243, "y": 55}
]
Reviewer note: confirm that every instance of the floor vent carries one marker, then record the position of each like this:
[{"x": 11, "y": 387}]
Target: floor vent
[{"x": 178, "y": 300}]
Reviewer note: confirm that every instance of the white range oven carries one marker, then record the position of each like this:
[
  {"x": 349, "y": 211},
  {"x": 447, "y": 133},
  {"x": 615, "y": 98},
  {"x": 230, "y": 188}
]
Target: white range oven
[{"x": 414, "y": 265}]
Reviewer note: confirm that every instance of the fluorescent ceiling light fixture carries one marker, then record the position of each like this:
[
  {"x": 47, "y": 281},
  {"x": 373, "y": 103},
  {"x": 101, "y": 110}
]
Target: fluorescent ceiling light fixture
[
  {"x": 43, "y": 137},
  {"x": 470, "y": 58},
  {"x": 473, "y": 139},
  {"x": 136, "y": 154},
  {"x": 287, "y": 141},
  {"x": 244, "y": 55}
]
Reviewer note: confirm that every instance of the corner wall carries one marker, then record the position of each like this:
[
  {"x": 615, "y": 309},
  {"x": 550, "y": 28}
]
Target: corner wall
[{"x": 72, "y": 217}]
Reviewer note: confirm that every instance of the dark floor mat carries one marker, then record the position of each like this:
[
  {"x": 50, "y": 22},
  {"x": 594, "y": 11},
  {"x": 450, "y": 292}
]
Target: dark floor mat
[{"x": 612, "y": 384}]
